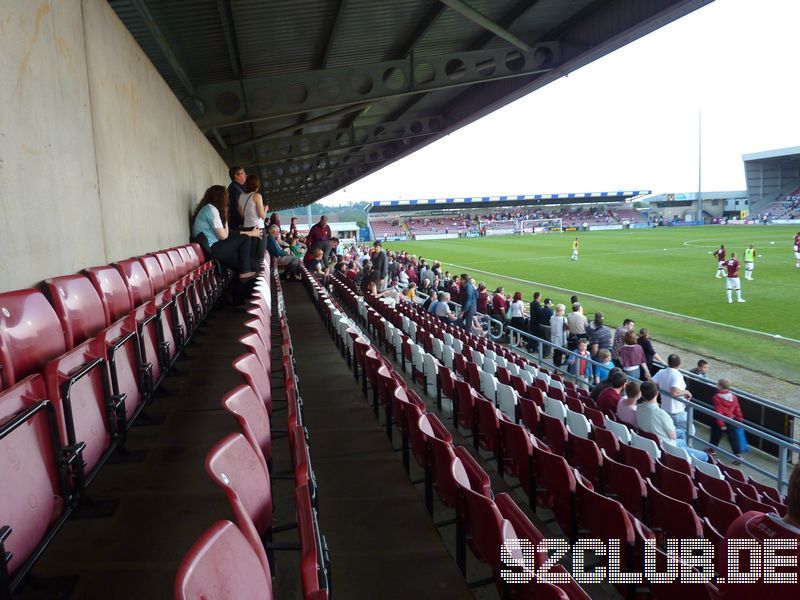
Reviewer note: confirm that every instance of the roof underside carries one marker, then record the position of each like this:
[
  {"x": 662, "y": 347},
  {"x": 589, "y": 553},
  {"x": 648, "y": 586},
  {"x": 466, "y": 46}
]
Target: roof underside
[{"x": 315, "y": 94}]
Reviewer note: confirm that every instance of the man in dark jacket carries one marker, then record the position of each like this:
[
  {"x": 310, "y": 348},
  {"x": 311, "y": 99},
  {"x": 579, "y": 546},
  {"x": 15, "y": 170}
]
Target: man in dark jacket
[
  {"x": 545, "y": 314},
  {"x": 380, "y": 265},
  {"x": 236, "y": 187},
  {"x": 533, "y": 322}
]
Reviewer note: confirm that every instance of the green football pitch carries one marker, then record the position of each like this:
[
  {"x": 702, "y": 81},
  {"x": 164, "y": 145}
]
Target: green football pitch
[{"x": 662, "y": 278}]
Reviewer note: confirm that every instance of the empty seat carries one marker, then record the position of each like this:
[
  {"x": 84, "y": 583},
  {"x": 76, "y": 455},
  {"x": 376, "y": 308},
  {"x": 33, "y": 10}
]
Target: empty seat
[
  {"x": 720, "y": 513},
  {"x": 154, "y": 273},
  {"x": 34, "y": 498},
  {"x": 30, "y": 335},
  {"x": 625, "y": 484},
  {"x": 517, "y": 454},
  {"x": 607, "y": 441},
  {"x": 707, "y": 468},
  {"x": 251, "y": 415},
  {"x": 78, "y": 307},
  {"x": 719, "y": 488},
  {"x": 578, "y": 424},
  {"x": 252, "y": 371},
  {"x": 235, "y": 467},
  {"x": 638, "y": 459},
  {"x": 676, "y": 484},
  {"x": 646, "y": 444},
  {"x": 223, "y": 565},
  {"x": 555, "y": 433},
  {"x": 136, "y": 279},
  {"x": 586, "y": 457},
  {"x": 555, "y": 408},
  {"x": 556, "y": 477},
  {"x": 167, "y": 268},
  {"x": 619, "y": 429},
  {"x": 671, "y": 517},
  {"x": 114, "y": 293},
  {"x": 314, "y": 561}
]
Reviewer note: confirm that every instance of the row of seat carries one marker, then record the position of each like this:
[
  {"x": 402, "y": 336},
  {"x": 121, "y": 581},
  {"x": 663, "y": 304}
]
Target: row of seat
[
  {"x": 484, "y": 521},
  {"x": 546, "y": 475},
  {"x": 240, "y": 558},
  {"x": 79, "y": 360}
]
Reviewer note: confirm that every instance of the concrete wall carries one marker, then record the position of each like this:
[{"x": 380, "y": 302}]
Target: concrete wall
[{"x": 98, "y": 159}]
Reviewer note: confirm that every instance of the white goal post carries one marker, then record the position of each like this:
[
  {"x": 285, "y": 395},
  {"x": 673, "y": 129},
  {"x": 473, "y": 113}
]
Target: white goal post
[{"x": 542, "y": 226}]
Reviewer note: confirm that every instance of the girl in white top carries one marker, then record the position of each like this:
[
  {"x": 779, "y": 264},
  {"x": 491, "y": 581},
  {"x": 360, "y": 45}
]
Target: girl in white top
[
  {"x": 558, "y": 333},
  {"x": 251, "y": 204},
  {"x": 253, "y": 211}
]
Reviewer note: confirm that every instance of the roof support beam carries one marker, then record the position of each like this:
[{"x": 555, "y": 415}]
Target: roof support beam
[
  {"x": 424, "y": 26},
  {"x": 489, "y": 25},
  {"x": 280, "y": 149},
  {"x": 323, "y": 64},
  {"x": 283, "y": 95}
]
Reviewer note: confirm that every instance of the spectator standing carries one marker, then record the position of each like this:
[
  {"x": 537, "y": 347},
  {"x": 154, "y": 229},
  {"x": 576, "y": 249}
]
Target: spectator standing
[
  {"x": 469, "y": 302},
  {"x": 650, "y": 353},
  {"x": 380, "y": 265},
  {"x": 545, "y": 315},
  {"x": 580, "y": 367},
  {"x": 319, "y": 232},
  {"x": 252, "y": 212},
  {"x": 483, "y": 299},
  {"x": 727, "y": 404},
  {"x": 235, "y": 189},
  {"x": 577, "y": 325},
  {"x": 499, "y": 305},
  {"x": 517, "y": 312},
  {"x": 559, "y": 329},
  {"x": 762, "y": 527},
  {"x": 599, "y": 335},
  {"x": 619, "y": 338},
  {"x": 671, "y": 383},
  {"x": 632, "y": 357},
  {"x": 655, "y": 420}
]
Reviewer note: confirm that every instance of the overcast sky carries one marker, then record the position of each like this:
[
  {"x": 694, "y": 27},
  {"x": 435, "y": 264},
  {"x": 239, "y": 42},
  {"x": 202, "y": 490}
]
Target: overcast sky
[{"x": 628, "y": 121}]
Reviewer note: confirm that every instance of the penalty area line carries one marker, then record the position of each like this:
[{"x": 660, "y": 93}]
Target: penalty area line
[{"x": 631, "y": 304}]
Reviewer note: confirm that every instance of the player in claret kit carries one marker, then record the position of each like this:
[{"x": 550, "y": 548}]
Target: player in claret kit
[
  {"x": 720, "y": 256},
  {"x": 797, "y": 249},
  {"x": 749, "y": 262},
  {"x": 732, "y": 280}
]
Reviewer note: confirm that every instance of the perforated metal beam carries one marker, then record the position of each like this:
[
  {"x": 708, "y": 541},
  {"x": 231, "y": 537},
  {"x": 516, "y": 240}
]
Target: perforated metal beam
[
  {"x": 271, "y": 97},
  {"x": 479, "y": 18},
  {"x": 280, "y": 149}
]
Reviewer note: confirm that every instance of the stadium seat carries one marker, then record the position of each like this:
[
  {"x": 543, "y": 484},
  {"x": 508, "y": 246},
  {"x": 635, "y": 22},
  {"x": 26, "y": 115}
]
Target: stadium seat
[
  {"x": 252, "y": 371},
  {"x": 87, "y": 414},
  {"x": 529, "y": 415},
  {"x": 439, "y": 456},
  {"x": 476, "y": 514},
  {"x": 625, "y": 484},
  {"x": 30, "y": 335},
  {"x": 707, "y": 468},
  {"x": 638, "y": 459},
  {"x": 578, "y": 424},
  {"x": 586, "y": 457},
  {"x": 597, "y": 418},
  {"x": 154, "y": 272},
  {"x": 78, "y": 307},
  {"x": 746, "y": 503},
  {"x": 555, "y": 408},
  {"x": 676, "y": 484},
  {"x": 488, "y": 429},
  {"x": 554, "y": 474},
  {"x": 606, "y": 441},
  {"x": 507, "y": 401},
  {"x": 522, "y": 525},
  {"x": 34, "y": 497},
  {"x": 136, "y": 279},
  {"x": 719, "y": 513},
  {"x": 621, "y": 430},
  {"x": 113, "y": 291},
  {"x": 252, "y": 417},
  {"x": 224, "y": 565},
  {"x": 671, "y": 518},
  {"x": 464, "y": 410},
  {"x": 646, "y": 444},
  {"x": 678, "y": 588},
  {"x": 235, "y": 467},
  {"x": 719, "y": 488},
  {"x": 314, "y": 560},
  {"x": 516, "y": 454},
  {"x": 555, "y": 433}
]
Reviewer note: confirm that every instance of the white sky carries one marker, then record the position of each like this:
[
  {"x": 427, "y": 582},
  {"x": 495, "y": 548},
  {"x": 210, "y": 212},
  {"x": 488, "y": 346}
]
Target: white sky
[{"x": 629, "y": 120}]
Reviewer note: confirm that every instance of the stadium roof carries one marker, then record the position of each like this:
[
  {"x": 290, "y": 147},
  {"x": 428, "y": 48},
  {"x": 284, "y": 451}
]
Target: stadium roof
[
  {"x": 503, "y": 201},
  {"x": 315, "y": 94},
  {"x": 770, "y": 174}
]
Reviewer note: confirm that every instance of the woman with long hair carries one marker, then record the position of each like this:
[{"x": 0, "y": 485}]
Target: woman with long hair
[
  {"x": 211, "y": 221},
  {"x": 517, "y": 311},
  {"x": 252, "y": 210},
  {"x": 558, "y": 334}
]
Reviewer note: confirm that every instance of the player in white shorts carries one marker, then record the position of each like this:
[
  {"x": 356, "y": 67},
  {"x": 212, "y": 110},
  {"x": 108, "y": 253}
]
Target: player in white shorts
[
  {"x": 720, "y": 256},
  {"x": 575, "y": 247},
  {"x": 732, "y": 280},
  {"x": 749, "y": 262}
]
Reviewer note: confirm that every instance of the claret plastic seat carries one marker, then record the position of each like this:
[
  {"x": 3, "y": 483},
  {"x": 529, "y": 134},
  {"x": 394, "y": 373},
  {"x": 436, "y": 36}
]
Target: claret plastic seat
[
  {"x": 251, "y": 415},
  {"x": 113, "y": 291},
  {"x": 78, "y": 307},
  {"x": 223, "y": 565},
  {"x": 30, "y": 335}
]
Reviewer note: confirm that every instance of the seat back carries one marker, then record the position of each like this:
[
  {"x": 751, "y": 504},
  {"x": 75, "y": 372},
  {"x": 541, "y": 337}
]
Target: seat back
[
  {"x": 646, "y": 444},
  {"x": 114, "y": 293},
  {"x": 223, "y": 564},
  {"x": 32, "y": 495},
  {"x": 625, "y": 484},
  {"x": 166, "y": 267},
  {"x": 676, "y": 484},
  {"x": 154, "y": 273},
  {"x": 523, "y": 527},
  {"x": 586, "y": 457},
  {"x": 638, "y": 459},
  {"x": 252, "y": 371},
  {"x": 719, "y": 488},
  {"x": 555, "y": 408},
  {"x": 720, "y": 513},
  {"x": 607, "y": 441},
  {"x": 78, "y": 307},
  {"x": 517, "y": 451},
  {"x": 604, "y": 518},
  {"x": 578, "y": 424},
  {"x": 136, "y": 279},
  {"x": 177, "y": 262},
  {"x": 313, "y": 549},
  {"x": 441, "y": 454},
  {"x": 251, "y": 415},
  {"x": 119, "y": 345},
  {"x": 619, "y": 429},
  {"x": 30, "y": 335},
  {"x": 556, "y": 476},
  {"x": 674, "y": 518},
  {"x": 507, "y": 400},
  {"x": 708, "y": 468},
  {"x": 555, "y": 433},
  {"x": 234, "y": 466}
]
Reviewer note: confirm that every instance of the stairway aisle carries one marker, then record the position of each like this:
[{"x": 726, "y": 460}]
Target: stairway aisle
[{"x": 381, "y": 539}]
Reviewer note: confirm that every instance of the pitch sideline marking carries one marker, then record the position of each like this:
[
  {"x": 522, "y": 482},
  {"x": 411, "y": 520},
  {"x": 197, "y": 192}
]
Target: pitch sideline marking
[{"x": 641, "y": 306}]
